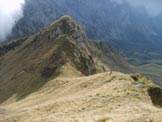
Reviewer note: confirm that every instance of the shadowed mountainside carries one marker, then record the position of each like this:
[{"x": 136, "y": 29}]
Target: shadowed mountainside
[{"x": 61, "y": 49}]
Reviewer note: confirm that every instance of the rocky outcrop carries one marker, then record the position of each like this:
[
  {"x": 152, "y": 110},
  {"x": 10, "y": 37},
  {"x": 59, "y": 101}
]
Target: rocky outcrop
[{"x": 155, "y": 95}]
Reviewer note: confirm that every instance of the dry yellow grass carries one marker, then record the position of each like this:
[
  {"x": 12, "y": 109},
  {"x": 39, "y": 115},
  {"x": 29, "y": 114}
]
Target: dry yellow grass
[{"x": 97, "y": 98}]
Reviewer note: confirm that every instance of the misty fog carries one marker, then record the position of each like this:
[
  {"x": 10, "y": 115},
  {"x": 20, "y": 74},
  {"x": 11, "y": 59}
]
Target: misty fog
[
  {"x": 153, "y": 7},
  {"x": 10, "y": 13}
]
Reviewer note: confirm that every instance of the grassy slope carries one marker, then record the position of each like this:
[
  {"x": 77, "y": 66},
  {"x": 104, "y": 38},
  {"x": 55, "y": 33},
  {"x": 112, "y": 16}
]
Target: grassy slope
[
  {"x": 149, "y": 64},
  {"x": 27, "y": 66},
  {"x": 153, "y": 71},
  {"x": 99, "y": 98},
  {"x": 110, "y": 56},
  {"x": 63, "y": 93}
]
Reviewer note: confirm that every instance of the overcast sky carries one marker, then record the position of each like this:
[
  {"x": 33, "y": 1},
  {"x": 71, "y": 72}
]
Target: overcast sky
[{"x": 10, "y": 12}]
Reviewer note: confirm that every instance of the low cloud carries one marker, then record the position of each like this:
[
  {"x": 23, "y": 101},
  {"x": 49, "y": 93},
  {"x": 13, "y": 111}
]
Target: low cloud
[
  {"x": 10, "y": 12},
  {"x": 153, "y": 7}
]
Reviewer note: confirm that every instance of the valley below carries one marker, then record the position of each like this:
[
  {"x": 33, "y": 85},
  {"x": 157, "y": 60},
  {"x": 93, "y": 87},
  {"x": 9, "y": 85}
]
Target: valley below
[{"x": 152, "y": 71}]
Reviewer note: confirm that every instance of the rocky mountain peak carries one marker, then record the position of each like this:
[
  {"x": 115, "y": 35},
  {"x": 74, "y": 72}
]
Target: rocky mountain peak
[{"x": 66, "y": 26}]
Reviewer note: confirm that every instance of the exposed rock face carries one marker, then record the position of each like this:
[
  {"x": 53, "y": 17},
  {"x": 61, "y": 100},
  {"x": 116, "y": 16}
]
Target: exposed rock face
[
  {"x": 156, "y": 95},
  {"x": 72, "y": 42},
  {"x": 69, "y": 27}
]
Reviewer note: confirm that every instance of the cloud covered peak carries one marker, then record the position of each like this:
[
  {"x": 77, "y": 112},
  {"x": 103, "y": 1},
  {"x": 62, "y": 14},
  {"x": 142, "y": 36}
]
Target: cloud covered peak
[{"x": 10, "y": 12}]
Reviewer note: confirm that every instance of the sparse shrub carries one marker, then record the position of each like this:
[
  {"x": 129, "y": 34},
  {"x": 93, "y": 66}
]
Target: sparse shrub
[
  {"x": 128, "y": 93},
  {"x": 111, "y": 79},
  {"x": 155, "y": 95},
  {"x": 135, "y": 77},
  {"x": 48, "y": 71},
  {"x": 145, "y": 80},
  {"x": 142, "y": 79},
  {"x": 104, "y": 119},
  {"x": 98, "y": 94}
]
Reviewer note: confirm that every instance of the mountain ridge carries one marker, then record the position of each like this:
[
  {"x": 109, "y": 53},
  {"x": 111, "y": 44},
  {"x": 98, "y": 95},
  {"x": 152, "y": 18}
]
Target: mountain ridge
[
  {"x": 130, "y": 30},
  {"x": 117, "y": 22},
  {"x": 59, "y": 75},
  {"x": 46, "y": 55}
]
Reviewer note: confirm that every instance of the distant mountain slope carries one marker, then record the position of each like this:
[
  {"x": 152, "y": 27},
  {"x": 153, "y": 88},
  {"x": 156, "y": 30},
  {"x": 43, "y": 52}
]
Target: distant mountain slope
[
  {"x": 125, "y": 27},
  {"x": 135, "y": 34},
  {"x": 61, "y": 49},
  {"x": 110, "y": 57}
]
